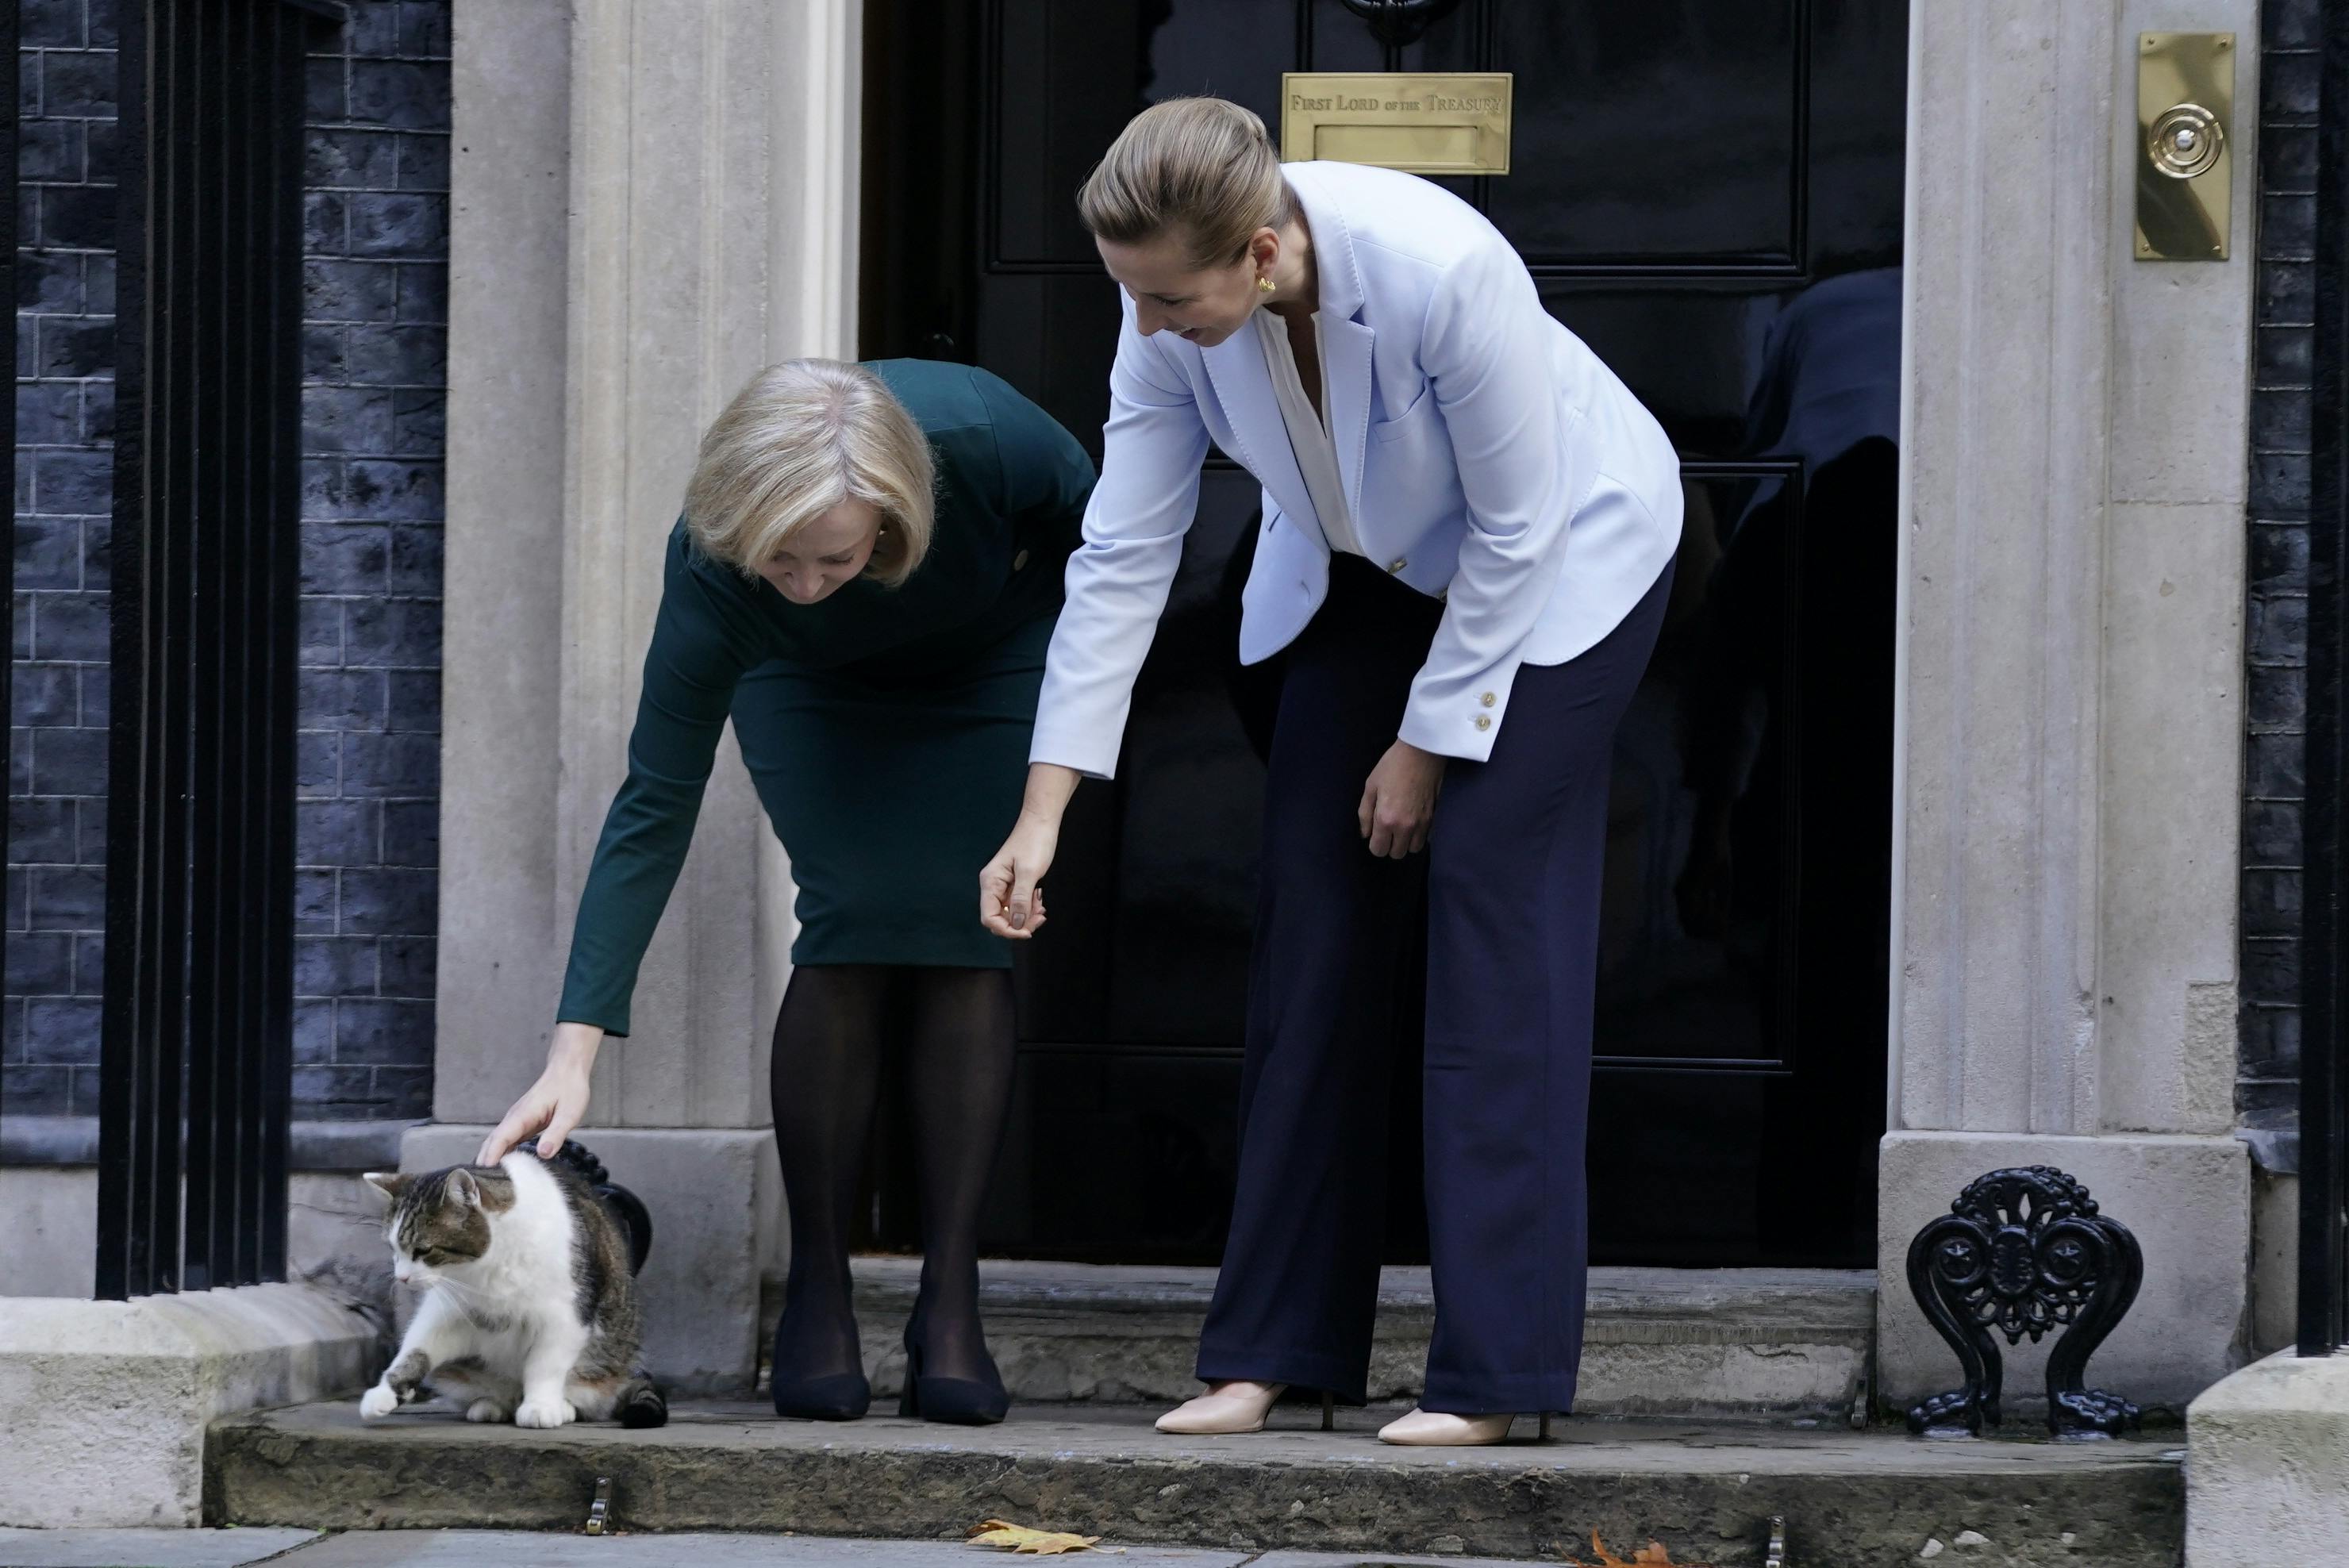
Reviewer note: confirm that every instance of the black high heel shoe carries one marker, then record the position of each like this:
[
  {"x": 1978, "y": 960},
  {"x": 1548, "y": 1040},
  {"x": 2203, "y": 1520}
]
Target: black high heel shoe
[
  {"x": 834, "y": 1396},
  {"x": 958, "y": 1401}
]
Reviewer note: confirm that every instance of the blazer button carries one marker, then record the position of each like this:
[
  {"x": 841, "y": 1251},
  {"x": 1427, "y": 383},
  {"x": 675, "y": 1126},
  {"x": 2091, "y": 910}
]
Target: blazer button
[
  {"x": 1018, "y": 560},
  {"x": 1487, "y": 699},
  {"x": 1396, "y": 565},
  {"x": 1483, "y": 721}
]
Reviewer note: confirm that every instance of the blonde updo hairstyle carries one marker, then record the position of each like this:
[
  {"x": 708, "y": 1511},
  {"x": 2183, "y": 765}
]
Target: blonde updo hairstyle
[
  {"x": 804, "y": 435},
  {"x": 1201, "y": 169}
]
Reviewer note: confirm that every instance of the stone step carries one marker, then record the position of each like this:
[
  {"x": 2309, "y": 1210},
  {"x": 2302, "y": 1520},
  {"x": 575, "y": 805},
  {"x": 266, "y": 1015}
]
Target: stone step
[
  {"x": 1730, "y": 1342},
  {"x": 1707, "y": 1491}
]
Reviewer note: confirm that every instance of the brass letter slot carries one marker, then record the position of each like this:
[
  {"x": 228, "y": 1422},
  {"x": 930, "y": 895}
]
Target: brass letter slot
[
  {"x": 1442, "y": 123},
  {"x": 2185, "y": 113}
]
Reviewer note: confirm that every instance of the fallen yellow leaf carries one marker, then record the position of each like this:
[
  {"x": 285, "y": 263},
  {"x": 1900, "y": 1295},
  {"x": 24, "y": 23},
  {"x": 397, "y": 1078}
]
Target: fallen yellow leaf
[
  {"x": 1009, "y": 1537},
  {"x": 1651, "y": 1555}
]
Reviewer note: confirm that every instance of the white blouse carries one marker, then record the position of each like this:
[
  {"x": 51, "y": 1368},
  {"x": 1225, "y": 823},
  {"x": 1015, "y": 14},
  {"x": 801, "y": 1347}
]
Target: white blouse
[{"x": 1309, "y": 432}]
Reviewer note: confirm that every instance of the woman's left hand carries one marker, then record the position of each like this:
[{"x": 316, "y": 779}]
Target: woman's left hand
[{"x": 1398, "y": 801}]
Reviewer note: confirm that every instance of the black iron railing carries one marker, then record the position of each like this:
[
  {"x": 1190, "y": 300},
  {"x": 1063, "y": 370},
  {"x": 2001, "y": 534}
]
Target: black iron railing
[
  {"x": 196, "y": 1074},
  {"x": 2324, "y": 1048}
]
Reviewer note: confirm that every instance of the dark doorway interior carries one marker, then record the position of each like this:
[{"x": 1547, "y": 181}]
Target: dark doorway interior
[{"x": 1709, "y": 193}]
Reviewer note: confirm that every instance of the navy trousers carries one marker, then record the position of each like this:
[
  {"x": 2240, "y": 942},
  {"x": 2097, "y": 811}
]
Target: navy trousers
[{"x": 1512, "y": 876}]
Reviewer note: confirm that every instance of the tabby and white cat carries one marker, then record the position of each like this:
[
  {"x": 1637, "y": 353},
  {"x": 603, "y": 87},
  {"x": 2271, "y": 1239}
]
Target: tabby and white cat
[{"x": 530, "y": 1312}]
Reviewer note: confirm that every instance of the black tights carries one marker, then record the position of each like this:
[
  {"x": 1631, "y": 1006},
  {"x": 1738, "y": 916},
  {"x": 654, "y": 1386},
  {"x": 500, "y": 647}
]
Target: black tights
[{"x": 828, "y": 1039}]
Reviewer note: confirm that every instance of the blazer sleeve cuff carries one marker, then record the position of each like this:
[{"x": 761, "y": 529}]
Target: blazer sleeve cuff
[
  {"x": 1460, "y": 714},
  {"x": 1448, "y": 735},
  {"x": 1087, "y": 754}
]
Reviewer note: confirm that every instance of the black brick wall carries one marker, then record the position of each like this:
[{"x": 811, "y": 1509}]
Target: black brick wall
[
  {"x": 2268, "y": 1087},
  {"x": 376, "y": 342},
  {"x": 65, "y": 406},
  {"x": 375, "y": 280}
]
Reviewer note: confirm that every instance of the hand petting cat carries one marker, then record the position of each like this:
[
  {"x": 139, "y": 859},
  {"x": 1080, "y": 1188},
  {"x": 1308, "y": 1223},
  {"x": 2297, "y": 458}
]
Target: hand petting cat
[{"x": 554, "y": 1107}]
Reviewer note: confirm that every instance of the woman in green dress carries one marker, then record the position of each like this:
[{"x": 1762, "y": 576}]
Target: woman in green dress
[{"x": 865, "y": 580}]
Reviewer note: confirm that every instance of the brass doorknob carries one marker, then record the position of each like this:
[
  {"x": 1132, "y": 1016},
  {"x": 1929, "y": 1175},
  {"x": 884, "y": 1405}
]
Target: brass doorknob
[{"x": 2185, "y": 140}]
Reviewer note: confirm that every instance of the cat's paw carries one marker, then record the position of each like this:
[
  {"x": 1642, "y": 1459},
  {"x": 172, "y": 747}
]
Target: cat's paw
[
  {"x": 546, "y": 1414},
  {"x": 487, "y": 1410},
  {"x": 378, "y": 1402}
]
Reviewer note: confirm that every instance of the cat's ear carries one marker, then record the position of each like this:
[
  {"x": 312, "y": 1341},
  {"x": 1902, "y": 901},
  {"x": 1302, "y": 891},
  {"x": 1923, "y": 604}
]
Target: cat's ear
[
  {"x": 463, "y": 1189},
  {"x": 390, "y": 1183}
]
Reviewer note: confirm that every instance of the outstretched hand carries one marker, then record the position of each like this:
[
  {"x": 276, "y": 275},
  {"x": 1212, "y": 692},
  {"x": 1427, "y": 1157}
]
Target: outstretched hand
[
  {"x": 551, "y": 1108},
  {"x": 1011, "y": 887}
]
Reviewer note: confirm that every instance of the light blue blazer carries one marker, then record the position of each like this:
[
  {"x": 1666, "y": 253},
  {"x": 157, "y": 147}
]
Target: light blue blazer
[{"x": 1489, "y": 457}]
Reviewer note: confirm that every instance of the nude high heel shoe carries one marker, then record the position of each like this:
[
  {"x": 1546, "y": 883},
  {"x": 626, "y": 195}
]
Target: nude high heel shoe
[
  {"x": 1440, "y": 1429},
  {"x": 1239, "y": 1409}
]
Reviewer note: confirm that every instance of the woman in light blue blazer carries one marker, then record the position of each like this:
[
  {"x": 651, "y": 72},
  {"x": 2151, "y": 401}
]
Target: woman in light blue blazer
[{"x": 1469, "y": 525}]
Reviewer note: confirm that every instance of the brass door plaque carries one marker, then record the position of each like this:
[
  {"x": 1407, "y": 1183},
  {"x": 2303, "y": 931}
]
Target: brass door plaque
[
  {"x": 1422, "y": 123},
  {"x": 2185, "y": 111}
]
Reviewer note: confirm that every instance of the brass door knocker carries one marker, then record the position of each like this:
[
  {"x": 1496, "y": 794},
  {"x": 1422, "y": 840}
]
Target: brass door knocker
[{"x": 1396, "y": 22}]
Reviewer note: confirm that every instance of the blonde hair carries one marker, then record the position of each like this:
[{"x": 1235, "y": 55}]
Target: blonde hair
[
  {"x": 1201, "y": 167},
  {"x": 804, "y": 435}
]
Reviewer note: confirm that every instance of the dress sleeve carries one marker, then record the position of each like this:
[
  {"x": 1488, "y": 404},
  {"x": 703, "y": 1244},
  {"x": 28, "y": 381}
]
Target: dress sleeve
[
  {"x": 690, "y": 673},
  {"x": 1043, "y": 475}
]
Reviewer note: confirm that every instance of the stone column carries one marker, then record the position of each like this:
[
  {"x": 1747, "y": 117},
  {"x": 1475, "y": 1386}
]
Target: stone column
[
  {"x": 2072, "y": 676},
  {"x": 641, "y": 220}
]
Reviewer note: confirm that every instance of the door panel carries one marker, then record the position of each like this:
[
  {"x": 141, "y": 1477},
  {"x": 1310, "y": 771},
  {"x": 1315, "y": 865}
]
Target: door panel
[
  {"x": 1619, "y": 103},
  {"x": 1708, "y": 192}
]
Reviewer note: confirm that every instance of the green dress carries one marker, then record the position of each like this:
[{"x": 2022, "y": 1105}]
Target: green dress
[{"x": 886, "y": 728}]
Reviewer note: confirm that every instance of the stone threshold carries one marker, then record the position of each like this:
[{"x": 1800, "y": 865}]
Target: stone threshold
[
  {"x": 1706, "y": 1490},
  {"x": 1729, "y": 1343}
]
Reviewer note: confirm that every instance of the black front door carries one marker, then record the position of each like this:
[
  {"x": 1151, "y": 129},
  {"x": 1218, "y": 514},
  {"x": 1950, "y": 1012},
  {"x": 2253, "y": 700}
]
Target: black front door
[{"x": 1708, "y": 192}]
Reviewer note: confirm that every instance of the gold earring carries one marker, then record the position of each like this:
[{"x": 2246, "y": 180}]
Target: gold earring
[{"x": 1264, "y": 285}]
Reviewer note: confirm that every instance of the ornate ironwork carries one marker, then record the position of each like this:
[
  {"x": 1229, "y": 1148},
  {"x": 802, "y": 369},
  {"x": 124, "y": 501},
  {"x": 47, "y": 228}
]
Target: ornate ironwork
[
  {"x": 1398, "y": 23},
  {"x": 634, "y": 1218},
  {"x": 2025, "y": 1252}
]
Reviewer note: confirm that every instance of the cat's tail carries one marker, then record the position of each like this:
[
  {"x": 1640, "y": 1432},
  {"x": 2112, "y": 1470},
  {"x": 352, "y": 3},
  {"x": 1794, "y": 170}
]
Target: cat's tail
[{"x": 642, "y": 1404}]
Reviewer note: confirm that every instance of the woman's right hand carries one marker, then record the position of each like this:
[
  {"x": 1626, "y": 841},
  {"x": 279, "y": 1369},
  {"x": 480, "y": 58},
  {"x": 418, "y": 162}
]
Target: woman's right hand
[
  {"x": 1010, "y": 891},
  {"x": 556, "y": 1103}
]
